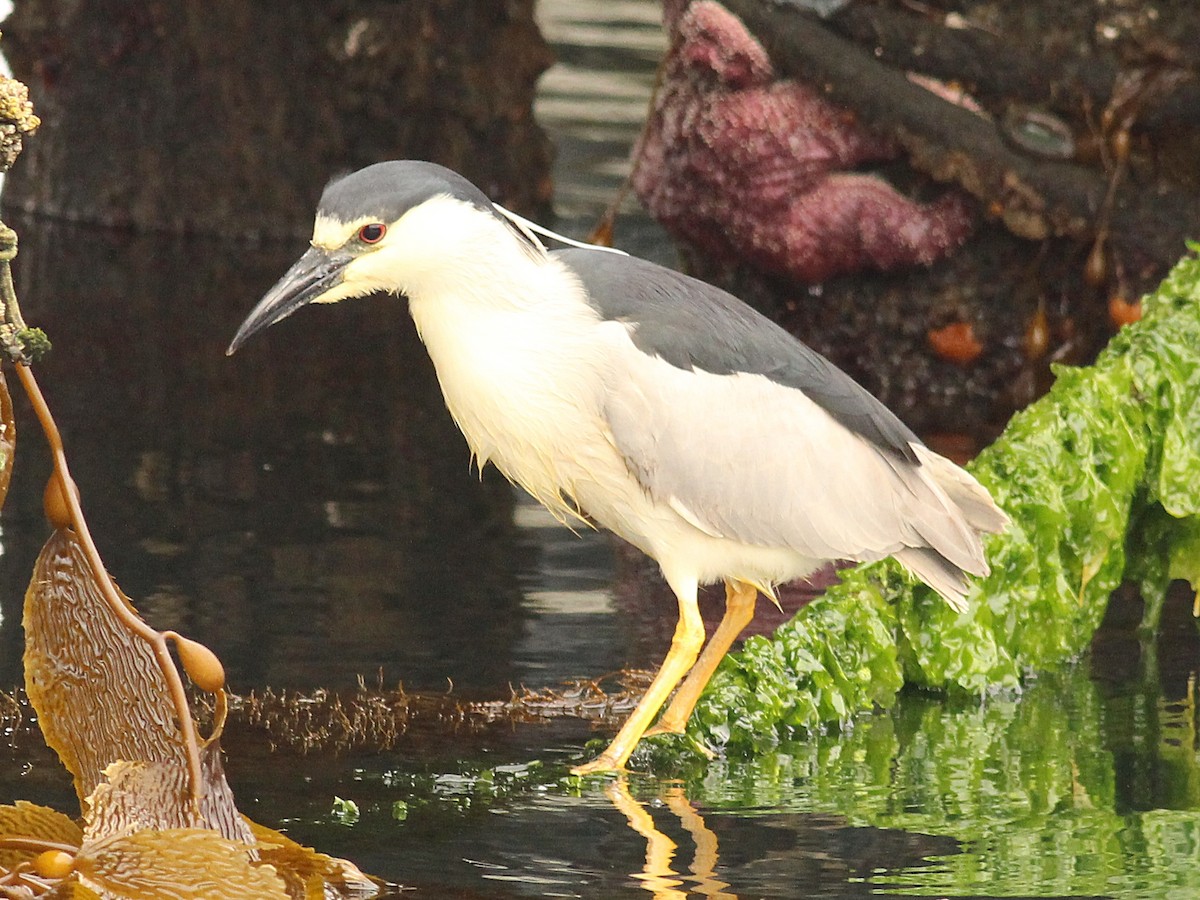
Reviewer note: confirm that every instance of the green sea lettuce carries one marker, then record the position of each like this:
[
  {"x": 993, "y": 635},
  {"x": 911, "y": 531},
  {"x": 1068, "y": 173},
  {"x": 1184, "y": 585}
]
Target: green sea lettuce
[{"x": 1101, "y": 478}]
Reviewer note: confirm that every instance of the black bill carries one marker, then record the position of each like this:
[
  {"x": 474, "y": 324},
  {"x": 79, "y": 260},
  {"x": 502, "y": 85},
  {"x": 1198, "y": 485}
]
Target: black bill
[{"x": 313, "y": 274}]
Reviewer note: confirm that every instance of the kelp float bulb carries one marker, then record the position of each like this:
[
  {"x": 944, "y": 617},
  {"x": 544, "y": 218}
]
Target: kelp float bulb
[
  {"x": 54, "y": 501},
  {"x": 200, "y": 663},
  {"x": 53, "y": 864}
]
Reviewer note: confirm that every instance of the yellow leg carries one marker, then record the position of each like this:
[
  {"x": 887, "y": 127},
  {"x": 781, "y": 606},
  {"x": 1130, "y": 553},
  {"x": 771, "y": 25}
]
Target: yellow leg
[
  {"x": 685, "y": 647},
  {"x": 739, "y": 610}
]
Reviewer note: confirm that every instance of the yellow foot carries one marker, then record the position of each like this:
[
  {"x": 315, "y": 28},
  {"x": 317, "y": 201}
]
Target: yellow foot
[
  {"x": 602, "y": 763},
  {"x": 668, "y": 728}
]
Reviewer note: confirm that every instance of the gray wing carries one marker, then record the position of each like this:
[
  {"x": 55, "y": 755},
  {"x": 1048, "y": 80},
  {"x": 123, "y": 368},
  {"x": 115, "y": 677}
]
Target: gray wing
[
  {"x": 751, "y": 436},
  {"x": 745, "y": 458},
  {"x": 694, "y": 325}
]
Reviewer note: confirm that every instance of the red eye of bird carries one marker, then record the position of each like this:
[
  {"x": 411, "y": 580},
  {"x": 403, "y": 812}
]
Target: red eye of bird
[{"x": 373, "y": 233}]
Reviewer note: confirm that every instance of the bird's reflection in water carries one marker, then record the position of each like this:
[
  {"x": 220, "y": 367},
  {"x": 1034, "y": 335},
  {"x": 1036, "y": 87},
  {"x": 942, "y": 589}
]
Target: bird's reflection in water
[{"x": 657, "y": 877}]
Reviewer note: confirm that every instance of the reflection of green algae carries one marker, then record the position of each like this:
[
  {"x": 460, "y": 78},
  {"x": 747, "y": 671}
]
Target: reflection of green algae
[
  {"x": 1064, "y": 788},
  {"x": 1029, "y": 784},
  {"x": 1102, "y": 481}
]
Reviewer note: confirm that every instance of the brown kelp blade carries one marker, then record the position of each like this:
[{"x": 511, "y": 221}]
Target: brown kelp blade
[
  {"x": 131, "y": 849},
  {"x": 310, "y": 875},
  {"x": 99, "y": 691},
  {"x": 147, "y": 795},
  {"x": 104, "y": 707},
  {"x": 133, "y": 846},
  {"x": 180, "y": 862},
  {"x": 35, "y": 824}
]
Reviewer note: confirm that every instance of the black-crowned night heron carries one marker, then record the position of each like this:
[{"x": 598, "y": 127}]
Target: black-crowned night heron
[{"x": 625, "y": 394}]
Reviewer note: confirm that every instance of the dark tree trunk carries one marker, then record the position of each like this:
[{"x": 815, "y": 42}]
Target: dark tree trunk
[{"x": 228, "y": 117}]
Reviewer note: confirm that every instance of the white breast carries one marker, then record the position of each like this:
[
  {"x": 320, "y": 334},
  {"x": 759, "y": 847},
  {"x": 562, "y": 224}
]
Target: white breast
[{"x": 524, "y": 379}]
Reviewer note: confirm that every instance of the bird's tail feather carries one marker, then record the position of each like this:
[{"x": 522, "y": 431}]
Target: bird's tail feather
[
  {"x": 955, "y": 552},
  {"x": 939, "y": 573},
  {"x": 971, "y": 497}
]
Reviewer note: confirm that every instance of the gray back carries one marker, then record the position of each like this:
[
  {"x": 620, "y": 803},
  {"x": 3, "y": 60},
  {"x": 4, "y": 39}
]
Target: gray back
[{"x": 691, "y": 324}]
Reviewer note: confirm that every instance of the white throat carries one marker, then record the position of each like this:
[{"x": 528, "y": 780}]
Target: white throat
[{"x": 517, "y": 354}]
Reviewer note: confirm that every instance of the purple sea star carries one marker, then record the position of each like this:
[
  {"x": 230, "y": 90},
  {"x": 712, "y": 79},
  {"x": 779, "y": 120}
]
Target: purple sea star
[{"x": 746, "y": 166}]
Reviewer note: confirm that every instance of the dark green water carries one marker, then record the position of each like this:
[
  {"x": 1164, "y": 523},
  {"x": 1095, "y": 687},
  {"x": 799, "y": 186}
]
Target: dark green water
[{"x": 306, "y": 510}]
